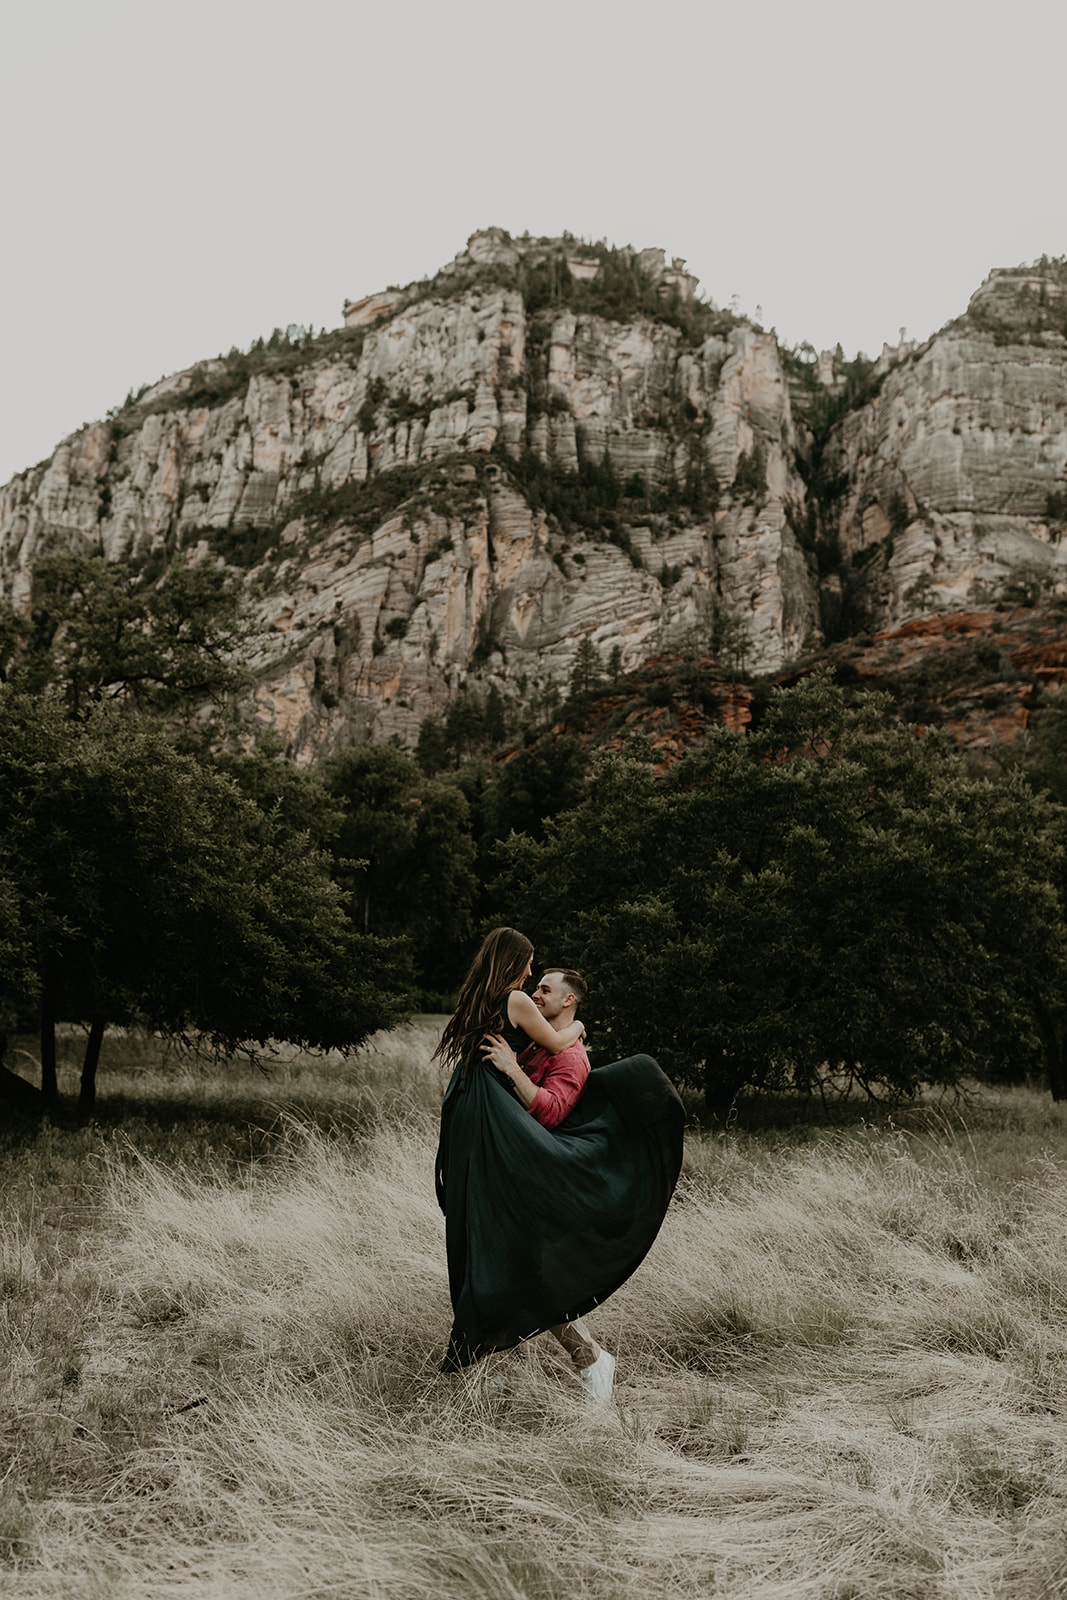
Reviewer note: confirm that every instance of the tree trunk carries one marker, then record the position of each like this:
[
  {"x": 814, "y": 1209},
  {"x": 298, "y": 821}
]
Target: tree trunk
[
  {"x": 15, "y": 1091},
  {"x": 1057, "y": 1077},
  {"x": 87, "y": 1092},
  {"x": 1052, "y": 1039},
  {"x": 722, "y": 1082},
  {"x": 49, "y": 1084}
]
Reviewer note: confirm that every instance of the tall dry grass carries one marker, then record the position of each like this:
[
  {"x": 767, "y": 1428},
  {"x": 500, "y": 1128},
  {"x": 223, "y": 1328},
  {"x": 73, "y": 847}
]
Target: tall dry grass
[{"x": 842, "y": 1370}]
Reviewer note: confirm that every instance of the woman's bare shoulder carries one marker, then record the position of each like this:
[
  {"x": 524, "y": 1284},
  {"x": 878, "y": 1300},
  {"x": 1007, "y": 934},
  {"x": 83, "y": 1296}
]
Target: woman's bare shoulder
[{"x": 520, "y": 1005}]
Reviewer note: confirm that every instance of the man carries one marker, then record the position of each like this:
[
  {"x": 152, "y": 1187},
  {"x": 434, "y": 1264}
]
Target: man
[{"x": 549, "y": 1087}]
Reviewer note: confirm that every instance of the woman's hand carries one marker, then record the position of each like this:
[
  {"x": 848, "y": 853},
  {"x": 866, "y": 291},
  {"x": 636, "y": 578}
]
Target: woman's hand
[
  {"x": 496, "y": 1050},
  {"x": 499, "y": 1054}
]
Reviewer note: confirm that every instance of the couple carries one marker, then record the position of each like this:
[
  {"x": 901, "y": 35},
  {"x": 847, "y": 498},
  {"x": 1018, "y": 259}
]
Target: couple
[{"x": 554, "y": 1181}]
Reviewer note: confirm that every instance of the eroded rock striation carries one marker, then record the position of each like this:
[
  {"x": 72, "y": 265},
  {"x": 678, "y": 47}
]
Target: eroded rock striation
[
  {"x": 550, "y": 443},
  {"x": 948, "y": 484}
]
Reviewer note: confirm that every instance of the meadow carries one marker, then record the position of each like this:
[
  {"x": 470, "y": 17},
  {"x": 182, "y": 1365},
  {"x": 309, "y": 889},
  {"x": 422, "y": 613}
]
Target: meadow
[{"x": 842, "y": 1370}]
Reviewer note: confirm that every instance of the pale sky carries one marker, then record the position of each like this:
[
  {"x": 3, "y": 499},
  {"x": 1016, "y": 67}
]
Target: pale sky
[{"x": 178, "y": 179}]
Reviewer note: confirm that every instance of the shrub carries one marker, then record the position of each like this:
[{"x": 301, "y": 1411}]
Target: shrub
[
  {"x": 898, "y": 513},
  {"x": 750, "y": 474},
  {"x": 368, "y": 411},
  {"x": 365, "y": 505},
  {"x": 243, "y": 546}
]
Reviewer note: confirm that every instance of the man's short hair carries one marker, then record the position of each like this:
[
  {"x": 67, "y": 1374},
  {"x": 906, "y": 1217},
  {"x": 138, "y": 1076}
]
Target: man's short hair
[{"x": 572, "y": 981}]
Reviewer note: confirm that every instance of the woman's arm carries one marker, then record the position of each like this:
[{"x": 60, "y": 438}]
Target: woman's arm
[
  {"x": 497, "y": 1051},
  {"x": 525, "y": 1015}
]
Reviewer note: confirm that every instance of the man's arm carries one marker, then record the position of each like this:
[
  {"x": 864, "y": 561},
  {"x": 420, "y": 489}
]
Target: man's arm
[
  {"x": 564, "y": 1079},
  {"x": 506, "y": 1062}
]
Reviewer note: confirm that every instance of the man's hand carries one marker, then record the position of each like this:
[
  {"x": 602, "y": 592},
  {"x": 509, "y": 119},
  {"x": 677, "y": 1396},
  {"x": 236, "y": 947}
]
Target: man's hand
[{"x": 499, "y": 1054}]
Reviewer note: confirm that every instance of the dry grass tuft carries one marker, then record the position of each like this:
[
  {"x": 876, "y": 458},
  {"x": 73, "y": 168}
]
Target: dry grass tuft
[{"x": 842, "y": 1369}]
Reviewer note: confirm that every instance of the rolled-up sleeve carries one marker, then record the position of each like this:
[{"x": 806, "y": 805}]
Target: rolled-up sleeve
[{"x": 560, "y": 1087}]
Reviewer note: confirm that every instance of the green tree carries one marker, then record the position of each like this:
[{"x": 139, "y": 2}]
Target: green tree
[
  {"x": 160, "y": 895},
  {"x": 494, "y": 717},
  {"x": 1043, "y": 764},
  {"x": 406, "y": 851},
  {"x": 750, "y": 474},
  {"x": 440, "y": 886},
  {"x": 295, "y": 798},
  {"x": 431, "y": 749},
  {"x": 730, "y": 641},
  {"x": 18, "y": 980},
  {"x": 34, "y": 738},
  {"x": 586, "y": 670},
  {"x": 95, "y": 633},
  {"x": 615, "y": 665},
  {"x": 14, "y": 634},
  {"x": 826, "y": 902},
  {"x": 464, "y": 726},
  {"x": 539, "y": 781},
  {"x": 18, "y": 975},
  {"x": 1044, "y": 759}
]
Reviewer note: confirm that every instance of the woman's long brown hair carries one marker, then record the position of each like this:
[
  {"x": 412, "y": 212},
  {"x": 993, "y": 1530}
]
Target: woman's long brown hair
[{"x": 483, "y": 997}]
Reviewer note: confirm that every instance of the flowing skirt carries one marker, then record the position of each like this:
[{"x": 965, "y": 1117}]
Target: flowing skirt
[{"x": 543, "y": 1224}]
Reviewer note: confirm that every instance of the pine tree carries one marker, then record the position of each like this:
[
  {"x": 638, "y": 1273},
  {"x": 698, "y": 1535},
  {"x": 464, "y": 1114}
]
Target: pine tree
[{"x": 585, "y": 673}]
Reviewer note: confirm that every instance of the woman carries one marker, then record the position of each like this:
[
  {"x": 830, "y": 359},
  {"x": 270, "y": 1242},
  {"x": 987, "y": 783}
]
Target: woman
[
  {"x": 492, "y": 1001},
  {"x": 542, "y": 1224}
]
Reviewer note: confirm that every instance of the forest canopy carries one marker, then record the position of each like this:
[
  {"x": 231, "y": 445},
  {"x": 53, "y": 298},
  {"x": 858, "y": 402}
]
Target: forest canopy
[
  {"x": 140, "y": 884},
  {"x": 830, "y": 901}
]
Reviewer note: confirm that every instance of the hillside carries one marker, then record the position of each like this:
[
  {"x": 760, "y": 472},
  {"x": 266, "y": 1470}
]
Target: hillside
[
  {"x": 985, "y": 677},
  {"x": 551, "y": 444}
]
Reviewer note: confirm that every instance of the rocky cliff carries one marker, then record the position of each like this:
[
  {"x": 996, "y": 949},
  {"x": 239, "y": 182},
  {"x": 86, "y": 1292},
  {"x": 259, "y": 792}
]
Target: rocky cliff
[
  {"x": 503, "y": 463},
  {"x": 945, "y": 487},
  {"x": 550, "y": 443}
]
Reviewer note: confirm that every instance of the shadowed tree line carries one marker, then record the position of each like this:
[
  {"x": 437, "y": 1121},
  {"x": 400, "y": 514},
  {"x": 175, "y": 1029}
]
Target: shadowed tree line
[
  {"x": 829, "y": 901},
  {"x": 140, "y": 882}
]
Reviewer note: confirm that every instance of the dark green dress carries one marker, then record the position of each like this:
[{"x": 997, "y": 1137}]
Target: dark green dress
[{"x": 542, "y": 1224}]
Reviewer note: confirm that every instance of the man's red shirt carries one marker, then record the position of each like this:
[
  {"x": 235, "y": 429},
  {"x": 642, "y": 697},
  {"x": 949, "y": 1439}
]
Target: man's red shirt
[{"x": 560, "y": 1079}]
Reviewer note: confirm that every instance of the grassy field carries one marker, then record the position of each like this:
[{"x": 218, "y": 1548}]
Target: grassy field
[{"x": 842, "y": 1371}]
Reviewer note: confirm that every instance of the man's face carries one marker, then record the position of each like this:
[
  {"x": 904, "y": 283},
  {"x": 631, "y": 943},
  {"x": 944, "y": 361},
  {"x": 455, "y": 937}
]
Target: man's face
[{"x": 549, "y": 996}]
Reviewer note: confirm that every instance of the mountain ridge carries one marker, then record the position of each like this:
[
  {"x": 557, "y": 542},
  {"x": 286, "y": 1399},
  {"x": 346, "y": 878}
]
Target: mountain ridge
[{"x": 552, "y": 444}]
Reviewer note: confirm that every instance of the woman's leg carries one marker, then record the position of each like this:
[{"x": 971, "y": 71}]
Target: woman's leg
[{"x": 577, "y": 1341}]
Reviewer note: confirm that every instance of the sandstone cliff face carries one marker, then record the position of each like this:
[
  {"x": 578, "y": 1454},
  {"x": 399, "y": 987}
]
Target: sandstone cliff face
[
  {"x": 948, "y": 470},
  {"x": 482, "y": 471},
  {"x": 374, "y": 482}
]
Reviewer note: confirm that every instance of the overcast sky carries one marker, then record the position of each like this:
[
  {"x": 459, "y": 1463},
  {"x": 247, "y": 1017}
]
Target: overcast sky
[{"x": 178, "y": 179}]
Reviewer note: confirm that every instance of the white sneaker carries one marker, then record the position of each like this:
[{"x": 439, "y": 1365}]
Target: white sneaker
[{"x": 599, "y": 1379}]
